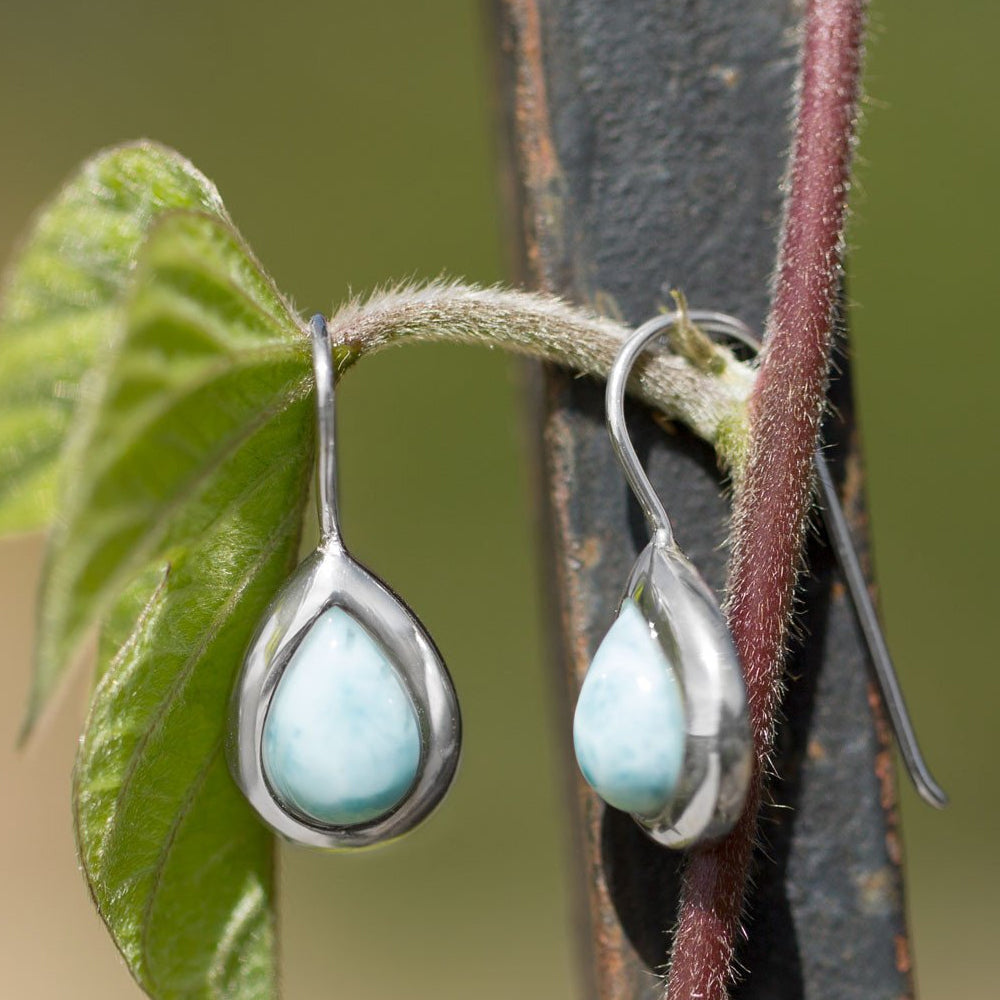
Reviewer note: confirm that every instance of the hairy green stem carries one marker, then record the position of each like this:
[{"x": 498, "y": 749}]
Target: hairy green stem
[{"x": 711, "y": 400}]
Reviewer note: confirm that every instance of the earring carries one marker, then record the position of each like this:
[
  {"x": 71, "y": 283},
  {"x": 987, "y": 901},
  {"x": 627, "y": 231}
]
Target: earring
[
  {"x": 344, "y": 729},
  {"x": 661, "y": 728}
]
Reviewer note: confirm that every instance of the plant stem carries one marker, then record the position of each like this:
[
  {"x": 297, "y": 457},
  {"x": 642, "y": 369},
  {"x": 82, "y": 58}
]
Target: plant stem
[
  {"x": 712, "y": 403},
  {"x": 773, "y": 500}
]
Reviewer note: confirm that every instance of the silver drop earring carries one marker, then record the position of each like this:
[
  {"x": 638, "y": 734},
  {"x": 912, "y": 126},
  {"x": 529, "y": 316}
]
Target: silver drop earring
[
  {"x": 345, "y": 729},
  {"x": 661, "y": 728}
]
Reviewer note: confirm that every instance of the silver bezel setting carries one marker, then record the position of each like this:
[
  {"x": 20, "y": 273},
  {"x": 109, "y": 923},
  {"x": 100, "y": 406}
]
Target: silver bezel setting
[
  {"x": 330, "y": 577},
  {"x": 718, "y": 754}
]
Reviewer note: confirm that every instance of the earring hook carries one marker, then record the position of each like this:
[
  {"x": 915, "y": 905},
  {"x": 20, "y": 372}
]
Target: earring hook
[
  {"x": 836, "y": 524},
  {"x": 326, "y": 494},
  {"x": 634, "y": 345}
]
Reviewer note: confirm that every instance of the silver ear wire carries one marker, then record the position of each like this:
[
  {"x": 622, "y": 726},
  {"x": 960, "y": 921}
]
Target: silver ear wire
[
  {"x": 326, "y": 431},
  {"x": 839, "y": 533},
  {"x": 614, "y": 401}
]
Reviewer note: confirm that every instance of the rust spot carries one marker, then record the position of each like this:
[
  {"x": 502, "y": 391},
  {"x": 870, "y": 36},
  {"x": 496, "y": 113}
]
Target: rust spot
[
  {"x": 533, "y": 106},
  {"x": 879, "y": 718},
  {"x": 728, "y": 75},
  {"x": 903, "y": 961},
  {"x": 589, "y": 552},
  {"x": 541, "y": 171},
  {"x": 883, "y": 771},
  {"x": 894, "y": 848},
  {"x": 816, "y": 751}
]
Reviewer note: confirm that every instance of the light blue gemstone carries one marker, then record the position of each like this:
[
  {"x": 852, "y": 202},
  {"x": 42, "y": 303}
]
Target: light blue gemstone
[
  {"x": 341, "y": 742},
  {"x": 629, "y": 727}
]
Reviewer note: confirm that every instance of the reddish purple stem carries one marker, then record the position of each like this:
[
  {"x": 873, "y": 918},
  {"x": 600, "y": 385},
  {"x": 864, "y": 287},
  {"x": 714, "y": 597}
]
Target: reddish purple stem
[{"x": 773, "y": 503}]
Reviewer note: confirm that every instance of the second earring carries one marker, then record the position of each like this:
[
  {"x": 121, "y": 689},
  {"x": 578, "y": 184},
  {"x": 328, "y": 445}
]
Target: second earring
[{"x": 661, "y": 728}]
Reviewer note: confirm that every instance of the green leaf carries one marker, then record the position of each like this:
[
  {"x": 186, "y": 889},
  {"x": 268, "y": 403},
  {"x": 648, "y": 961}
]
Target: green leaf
[
  {"x": 178, "y": 529},
  {"x": 210, "y": 359},
  {"x": 60, "y": 306}
]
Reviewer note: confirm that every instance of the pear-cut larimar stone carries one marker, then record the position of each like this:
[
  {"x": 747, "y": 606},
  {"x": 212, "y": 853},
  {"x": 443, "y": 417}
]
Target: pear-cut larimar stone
[
  {"x": 629, "y": 727},
  {"x": 341, "y": 742}
]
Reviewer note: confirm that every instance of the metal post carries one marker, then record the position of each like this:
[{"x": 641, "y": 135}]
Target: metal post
[{"x": 648, "y": 143}]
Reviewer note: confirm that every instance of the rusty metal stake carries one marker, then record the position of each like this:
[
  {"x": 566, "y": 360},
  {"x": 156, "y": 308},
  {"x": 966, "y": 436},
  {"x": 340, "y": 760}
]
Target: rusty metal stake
[{"x": 648, "y": 143}]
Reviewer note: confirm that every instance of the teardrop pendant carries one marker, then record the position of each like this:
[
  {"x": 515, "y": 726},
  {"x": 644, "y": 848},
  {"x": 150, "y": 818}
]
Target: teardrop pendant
[
  {"x": 345, "y": 729},
  {"x": 628, "y": 730},
  {"x": 683, "y": 614},
  {"x": 341, "y": 744},
  {"x": 660, "y": 729}
]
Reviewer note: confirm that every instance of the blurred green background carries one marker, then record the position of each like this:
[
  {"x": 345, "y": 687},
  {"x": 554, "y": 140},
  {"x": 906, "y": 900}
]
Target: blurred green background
[{"x": 353, "y": 145}]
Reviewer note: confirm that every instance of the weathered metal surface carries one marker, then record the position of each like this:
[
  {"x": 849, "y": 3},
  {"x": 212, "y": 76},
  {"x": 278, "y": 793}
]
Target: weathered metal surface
[{"x": 650, "y": 141}]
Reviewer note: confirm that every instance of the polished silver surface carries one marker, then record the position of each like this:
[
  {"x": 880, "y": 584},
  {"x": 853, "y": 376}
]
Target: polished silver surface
[
  {"x": 330, "y": 577},
  {"x": 687, "y": 622},
  {"x": 326, "y": 431}
]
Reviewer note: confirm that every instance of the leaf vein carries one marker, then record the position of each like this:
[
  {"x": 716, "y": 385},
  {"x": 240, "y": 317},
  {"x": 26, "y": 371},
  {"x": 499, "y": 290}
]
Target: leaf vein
[
  {"x": 160, "y": 517},
  {"x": 160, "y": 866},
  {"x": 187, "y": 668}
]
